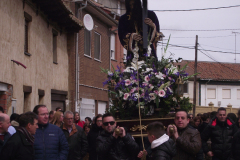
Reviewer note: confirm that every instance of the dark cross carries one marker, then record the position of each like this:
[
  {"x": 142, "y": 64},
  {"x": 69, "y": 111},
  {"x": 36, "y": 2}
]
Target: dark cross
[{"x": 145, "y": 26}]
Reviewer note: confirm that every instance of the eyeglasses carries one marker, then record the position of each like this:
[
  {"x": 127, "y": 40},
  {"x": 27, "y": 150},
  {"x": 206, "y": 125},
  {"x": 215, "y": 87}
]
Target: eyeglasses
[{"x": 111, "y": 123}]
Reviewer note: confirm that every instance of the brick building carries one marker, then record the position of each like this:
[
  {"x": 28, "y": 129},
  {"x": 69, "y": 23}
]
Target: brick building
[
  {"x": 37, "y": 50},
  {"x": 96, "y": 48}
]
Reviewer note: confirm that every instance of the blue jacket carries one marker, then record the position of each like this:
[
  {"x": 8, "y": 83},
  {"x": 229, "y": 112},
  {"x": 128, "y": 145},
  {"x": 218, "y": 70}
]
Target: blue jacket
[
  {"x": 6, "y": 137},
  {"x": 50, "y": 143}
]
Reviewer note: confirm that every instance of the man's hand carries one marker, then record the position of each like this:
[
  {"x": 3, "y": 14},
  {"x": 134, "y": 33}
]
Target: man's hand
[
  {"x": 137, "y": 37},
  {"x": 175, "y": 132},
  {"x": 141, "y": 153},
  {"x": 114, "y": 134},
  {"x": 210, "y": 153},
  {"x": 149, "y": 22},
  {"x": 123, "y": 132}
]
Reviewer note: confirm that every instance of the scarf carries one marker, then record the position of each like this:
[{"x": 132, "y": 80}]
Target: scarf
[
  {"x": 29, "y": 137},
  {"x": 159, "y": 141}
]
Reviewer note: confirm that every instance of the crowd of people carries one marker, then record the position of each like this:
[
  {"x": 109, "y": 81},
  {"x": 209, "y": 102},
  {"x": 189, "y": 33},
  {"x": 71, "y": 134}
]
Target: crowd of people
[{"x": 62, "y": 135}]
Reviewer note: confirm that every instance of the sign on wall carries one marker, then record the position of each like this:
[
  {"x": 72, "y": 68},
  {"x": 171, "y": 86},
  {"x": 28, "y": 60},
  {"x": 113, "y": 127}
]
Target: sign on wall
[{"x": 88, "y": 22}]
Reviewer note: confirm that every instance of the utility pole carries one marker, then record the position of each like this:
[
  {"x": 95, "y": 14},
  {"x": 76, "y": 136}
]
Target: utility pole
[
  {"x": 235, "y": 46},
  {"x": 195, "y": 78}
]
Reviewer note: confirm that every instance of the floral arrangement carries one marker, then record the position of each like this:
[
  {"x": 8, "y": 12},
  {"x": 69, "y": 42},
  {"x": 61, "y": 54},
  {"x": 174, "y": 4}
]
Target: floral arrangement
[{"x": 145, "y": 83}]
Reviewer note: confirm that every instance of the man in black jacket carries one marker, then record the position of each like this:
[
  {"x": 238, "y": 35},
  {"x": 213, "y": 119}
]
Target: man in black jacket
[
  {"x": 115, "y": 146},
  {"x": 77, "y": 140},
  {"x": 20, "y": 145},
  {"x": 220, "y": 130},
  {"x": 92, "y": 136}
]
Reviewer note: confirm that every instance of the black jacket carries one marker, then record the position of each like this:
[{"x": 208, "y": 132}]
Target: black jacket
[
  {"x": 221, "y": 134},
  {"x": 77, "y": 141},
  {"x": 110, "y": 148},
  {"x": 17, "y": 148},
  {"x": 236, "y": 145},
  {"x": 165, "y": 151},
  {"x": 6, "y": 137},
  {"x": 202, "y": 127},
  {"x": 91, "y": 137}
]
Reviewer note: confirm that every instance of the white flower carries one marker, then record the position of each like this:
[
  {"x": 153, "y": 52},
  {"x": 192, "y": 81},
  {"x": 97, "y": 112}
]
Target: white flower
[
  {"x": 159, "y": 75},
  {"x": 134, "y": 60},
  {"x": 126, "y": 95},
  {"x": 170, "y": 89},
  {"x": 136, "y": 55},
  {"x": 110, "y": 73},
  {"x": 137, "y": 65},
  {"x": 148, "y": 70},
  {"x": 136, "y": 95},
  {"x": 152, "y": 96},
  {"x": 120, "y": 93},
  {"x": 173, "y": 70},
  {"x": 127, "y": 82},
  {"x": 149, "y": 51},
  {"x": 146, "y": 79},
  {"x": 161, "y": 93}
]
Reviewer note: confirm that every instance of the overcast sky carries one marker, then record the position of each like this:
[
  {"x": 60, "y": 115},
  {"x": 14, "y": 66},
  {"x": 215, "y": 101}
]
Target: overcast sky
[{"x": 200, "y": 20}]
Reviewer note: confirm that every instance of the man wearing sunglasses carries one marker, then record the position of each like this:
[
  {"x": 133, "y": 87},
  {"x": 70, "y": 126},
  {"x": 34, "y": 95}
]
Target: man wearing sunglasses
[{"x": 112, "y": 146}]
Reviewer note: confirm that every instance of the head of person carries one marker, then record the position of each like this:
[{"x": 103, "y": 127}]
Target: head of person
[
  {"x": 29, "y": 121},
  {"x": 76, "y": 116},
  {"x": 86, "y": 128},
  {"x": 42, "y": 112},
  {"x": 221, "y": 114},
  {"x": 68, "y": 119},
  {"x": 88, "y": 120},
  {"x": 232, "y": 116},
  {"x": 213, "y": 114},
  {"x": 181, "y": 120},
  {"x": 1, "y": 109},
  {"x": 190, "y": 116},
  {"x": 155, "y": 130},
  {"x": 134, "y": 8},
  {"x": 98, "y": 120},
  {"x": 93, "y": 120},
  {"x": 57, "y": 118},
  {"x": 205, "y": 117},
  {"x": 196, "y": 121},
  {"x": 199, "y": 115},
  {"x": 51, "y": 114},
  {"x": 58, "y": 109},
  {"x": 14, "y": 117},
  {"x": 4, "y": 123},
  {"x": 108, "y": 122}
]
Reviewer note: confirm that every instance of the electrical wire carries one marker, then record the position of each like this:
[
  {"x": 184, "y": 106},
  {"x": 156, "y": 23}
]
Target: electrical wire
[
  {"x": 200, "y": 30},
  {"x": 218, "y": 47},
  {"x": 202, "y": 9},
  {"x": 206, "y": 37}
]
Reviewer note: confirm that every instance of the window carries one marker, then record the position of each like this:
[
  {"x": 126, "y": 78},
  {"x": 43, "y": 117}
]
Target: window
[
  {"x": 27, "y": 98},
  {"x": 112, "y": 46},
  {"x": 97, "y": 44},
  {"x": 28, "y": 19},
  {"x": 211, "y": 93},
  {"x": 185, "y": 88},
  {"x": 87, "y": 42},
  {"x": 55, "y": 34},
  {"x": 226, "y": 93},
  {"x": 238, "y": 93}
]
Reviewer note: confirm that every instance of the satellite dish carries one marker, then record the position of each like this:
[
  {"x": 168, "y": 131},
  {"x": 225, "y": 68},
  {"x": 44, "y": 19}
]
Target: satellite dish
[{"x": 88, "y": 22}]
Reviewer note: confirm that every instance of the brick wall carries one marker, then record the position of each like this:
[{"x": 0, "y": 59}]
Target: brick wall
[{"x": 90, "y": 72}]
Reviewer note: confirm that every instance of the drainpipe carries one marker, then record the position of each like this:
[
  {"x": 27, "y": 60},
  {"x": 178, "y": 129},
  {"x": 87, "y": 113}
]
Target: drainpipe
[{"x": 78, "y": 61}]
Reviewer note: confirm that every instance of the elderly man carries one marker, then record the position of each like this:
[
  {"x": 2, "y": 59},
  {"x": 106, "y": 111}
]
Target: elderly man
[
  {"x": 221, "y": 130},
  {"x": 77, "y": 140},
  {"x": 111, "y": 145},
  {"x": 188, "y": 140},
  {"x": 20, "y": 145},
  {"x": 4, "y": 124},
  {"x": 50, "y": 142}
]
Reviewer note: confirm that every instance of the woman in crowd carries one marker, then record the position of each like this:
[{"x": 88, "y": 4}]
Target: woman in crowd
[
  {"x": 57, "y": 119},
  {"x": 88, "y": 120},
  {"x": 51, "y": 114},
  {"x": 86, "y": 128},
  {"x": 78, "y": 120}
]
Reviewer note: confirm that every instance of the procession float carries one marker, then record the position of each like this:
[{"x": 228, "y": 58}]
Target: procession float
[{"x": 147, "y": 89}]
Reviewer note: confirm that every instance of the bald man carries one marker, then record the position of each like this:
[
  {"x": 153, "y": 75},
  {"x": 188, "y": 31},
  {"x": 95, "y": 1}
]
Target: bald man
[{"x": 4, "y": 124}]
